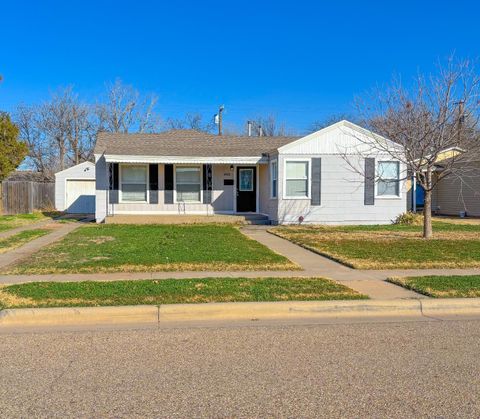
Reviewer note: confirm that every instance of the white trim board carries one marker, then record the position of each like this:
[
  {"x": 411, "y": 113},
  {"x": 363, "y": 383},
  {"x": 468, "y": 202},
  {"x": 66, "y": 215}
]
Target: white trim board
[{"x": 182, "y": 159}]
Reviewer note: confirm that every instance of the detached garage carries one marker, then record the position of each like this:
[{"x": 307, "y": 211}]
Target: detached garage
[{"x": 75, "y": 189}]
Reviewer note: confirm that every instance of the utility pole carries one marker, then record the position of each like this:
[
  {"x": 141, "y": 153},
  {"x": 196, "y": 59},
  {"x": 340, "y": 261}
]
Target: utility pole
[
  {"x": 460, "y": 121},
  {"x": 220, "y": 111}
]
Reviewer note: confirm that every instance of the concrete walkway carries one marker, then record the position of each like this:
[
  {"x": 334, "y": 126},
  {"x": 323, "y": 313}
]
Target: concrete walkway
[
  {"x": 317, "y": 265},
  {"x": 16, "y": 255},
  {"x": 8, "y": 233},
  {"x": 367, "y": 282}
]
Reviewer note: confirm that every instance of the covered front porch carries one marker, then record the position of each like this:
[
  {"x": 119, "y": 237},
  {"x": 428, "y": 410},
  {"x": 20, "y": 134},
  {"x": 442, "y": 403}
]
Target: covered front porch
[
  {"x": 245, "y": 219},
  {"x": 205, "y": 191}
]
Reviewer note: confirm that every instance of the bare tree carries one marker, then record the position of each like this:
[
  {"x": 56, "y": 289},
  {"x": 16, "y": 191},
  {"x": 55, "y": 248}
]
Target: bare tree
[
  {"x": 438, "y": 114},
  {"x": 193, "y": 121},
  {"x": 42, "y": 155},
  {"x": 268, "y": 126},
  {"x": 333, "y": 119},
  {"x": 59, "y": 132},
  {"x": 125, "y": 110}
]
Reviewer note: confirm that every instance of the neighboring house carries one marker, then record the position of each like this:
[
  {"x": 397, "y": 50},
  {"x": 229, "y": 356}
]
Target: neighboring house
[
  {"x": 75, "y": 189},
  {"x": 456, "y": 194},
  {"x": 327, "y": 177},
  {"x": 459, "y": 193}
]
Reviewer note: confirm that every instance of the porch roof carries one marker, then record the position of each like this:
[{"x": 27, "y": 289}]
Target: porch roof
[
  {"x": 114, "y": 158},
  {"x": 179, "y": 145}
]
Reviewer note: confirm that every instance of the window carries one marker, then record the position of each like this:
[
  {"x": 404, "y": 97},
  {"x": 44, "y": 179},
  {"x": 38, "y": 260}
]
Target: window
[
  {"x": 188, "y": 184},
  {"x": 246, "y": 180},
  {"x": 273, "y": 178},
  {"x": 296, "y": 179},
  {"x": 134, "y": 183},
  {"x": 388, "y": 178}
]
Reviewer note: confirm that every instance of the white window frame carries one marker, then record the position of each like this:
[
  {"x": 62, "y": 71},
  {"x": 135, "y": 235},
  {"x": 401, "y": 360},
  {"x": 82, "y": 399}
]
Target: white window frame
[
  {"x": 120, "y": 185},
  {"x": 399, "y": 196},
  {"x": 199, "y": 166},
  {"x": 273, "y": 176},
  {"x": 309, "y": 178}
]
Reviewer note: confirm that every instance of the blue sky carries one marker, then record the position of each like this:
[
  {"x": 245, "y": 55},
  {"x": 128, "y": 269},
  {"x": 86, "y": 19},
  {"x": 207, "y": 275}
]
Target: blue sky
[{"x": 300, "y": 61}]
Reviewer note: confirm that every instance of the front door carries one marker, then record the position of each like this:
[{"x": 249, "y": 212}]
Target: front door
[{"x": 246, "y": 189}]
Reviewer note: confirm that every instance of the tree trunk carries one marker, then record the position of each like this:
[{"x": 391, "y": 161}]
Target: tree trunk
[
  {"x": 427, "y": 209},
  {"x": 427, "y": 216},
  {"x": 62, "y": 156}
]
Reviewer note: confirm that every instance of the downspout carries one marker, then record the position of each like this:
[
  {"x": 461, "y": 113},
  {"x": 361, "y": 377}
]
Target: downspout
[{"x": 414, "y": 193}]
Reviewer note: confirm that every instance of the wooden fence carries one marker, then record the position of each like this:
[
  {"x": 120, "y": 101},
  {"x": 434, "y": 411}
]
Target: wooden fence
[{"x": 22, "y": 197}]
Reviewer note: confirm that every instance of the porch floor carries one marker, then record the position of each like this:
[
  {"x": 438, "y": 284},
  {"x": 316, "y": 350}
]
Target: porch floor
[{"x": 250, "y": 218}]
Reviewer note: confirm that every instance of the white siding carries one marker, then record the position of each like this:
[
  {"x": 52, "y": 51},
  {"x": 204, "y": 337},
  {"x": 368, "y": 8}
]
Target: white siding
[
  {"x": 82, "y": 171},
  {"x": 343, "y": 150},
  {"x": 340, "y": 138},
  {"x": 101, "y": 189}
]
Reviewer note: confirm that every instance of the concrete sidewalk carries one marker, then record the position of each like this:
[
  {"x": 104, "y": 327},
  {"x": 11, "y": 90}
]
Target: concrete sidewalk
[
  {"x": 317, "y": 265},
  {"x": 371, "y": 283},
  {"x": 16, "y": 255}
]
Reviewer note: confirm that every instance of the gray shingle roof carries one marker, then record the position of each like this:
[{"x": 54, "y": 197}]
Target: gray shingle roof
[{"x": 187, "y": 143}]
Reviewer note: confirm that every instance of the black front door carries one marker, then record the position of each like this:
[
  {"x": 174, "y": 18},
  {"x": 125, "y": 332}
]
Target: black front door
[{"x": 246, "y": 189}]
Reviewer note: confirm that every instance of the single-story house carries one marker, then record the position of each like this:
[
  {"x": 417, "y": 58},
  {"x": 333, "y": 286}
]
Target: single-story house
[
  {"x": 327, "y": 177},
  {"x": 459, "y": 193},
  {"x": 75, "y": 189}
]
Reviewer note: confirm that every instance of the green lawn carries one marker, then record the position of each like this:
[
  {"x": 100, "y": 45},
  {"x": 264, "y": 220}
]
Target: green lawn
[
  {"x": 7, "y": 222},
  {"x": 172, "y": 291},
  {"x": 21, "y": 238},
  {"x": 139, "y": 248},
  {"x": 442, "y": 286},
  {"x": 391, "y": 246}
]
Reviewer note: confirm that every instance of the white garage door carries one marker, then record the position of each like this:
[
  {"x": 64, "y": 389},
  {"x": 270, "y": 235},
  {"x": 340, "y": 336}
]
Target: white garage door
[{"x": 81, "y": 196}]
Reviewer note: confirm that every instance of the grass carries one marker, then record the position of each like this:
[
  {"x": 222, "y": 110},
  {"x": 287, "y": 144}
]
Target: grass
[
  {"x": 454, "y": 286},
  {"x": 391, "y": 246},
  {"x": 17, "y": 240},
  {"x": 8, "y": 222},
  {"x": 172, "y": 291},
  {"x": 140, "y": 248}
]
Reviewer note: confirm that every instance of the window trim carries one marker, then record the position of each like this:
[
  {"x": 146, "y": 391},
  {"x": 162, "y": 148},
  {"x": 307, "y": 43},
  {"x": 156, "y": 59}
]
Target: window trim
[
  {"x": 175, "y": 200},
  {"x": 120, "y": 183},
  {"x": 272, "y": 172},
  {"x": 399, "y": 195},
  {"x": 309, "y": 178}
]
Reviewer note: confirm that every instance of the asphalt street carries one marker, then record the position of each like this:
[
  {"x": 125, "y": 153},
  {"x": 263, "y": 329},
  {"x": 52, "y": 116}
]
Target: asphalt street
[{"x": 404, "y": 369}]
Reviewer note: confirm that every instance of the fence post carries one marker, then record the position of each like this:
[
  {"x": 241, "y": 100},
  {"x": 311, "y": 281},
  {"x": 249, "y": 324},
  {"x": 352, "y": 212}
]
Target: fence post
[{"x": 30, "y": 201}]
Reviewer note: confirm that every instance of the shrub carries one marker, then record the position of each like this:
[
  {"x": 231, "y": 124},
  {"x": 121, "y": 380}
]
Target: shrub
[{"x": 409, "y": 218}]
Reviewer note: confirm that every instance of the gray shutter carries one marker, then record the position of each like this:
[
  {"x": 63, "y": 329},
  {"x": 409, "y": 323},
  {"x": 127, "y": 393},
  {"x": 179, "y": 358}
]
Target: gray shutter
[
  {"x": 316, "y": 181},
  {"x": 207, "y": 183},
  {"x": 113, "y": 172},
  {"x": 168, "y": 193},
  {"x": 153, "y": 183},
  {"x": 369, "y": 181}
]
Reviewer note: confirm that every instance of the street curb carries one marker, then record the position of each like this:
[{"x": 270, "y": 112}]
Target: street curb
[
  {"x": 78, "y": 316},
  {"x": 288, "y": 310},
  {"x": 451, "y": 307}
]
